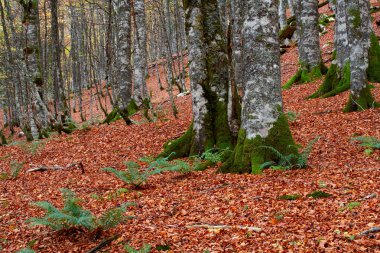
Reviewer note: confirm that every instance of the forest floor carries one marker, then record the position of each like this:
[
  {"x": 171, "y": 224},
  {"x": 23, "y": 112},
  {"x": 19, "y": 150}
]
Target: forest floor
[{"x": 172, "y": 208}]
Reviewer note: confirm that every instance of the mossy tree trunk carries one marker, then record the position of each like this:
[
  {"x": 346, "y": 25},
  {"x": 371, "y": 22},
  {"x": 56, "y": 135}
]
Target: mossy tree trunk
[
  {"x": 39, "y": 114},
  {"x": 338, "y": 77},
  {"x": 209, "y": 82},
  {"x": 309, "y": 51},
  {"x": 263, "y": 122},
  {"x": 359, "y": 34}
]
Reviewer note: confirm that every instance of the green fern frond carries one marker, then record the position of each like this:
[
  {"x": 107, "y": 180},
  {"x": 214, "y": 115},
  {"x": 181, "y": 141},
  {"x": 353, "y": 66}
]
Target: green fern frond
[
  {"x": 146, "y": 248},
  {"x": 26, "y": 250}
]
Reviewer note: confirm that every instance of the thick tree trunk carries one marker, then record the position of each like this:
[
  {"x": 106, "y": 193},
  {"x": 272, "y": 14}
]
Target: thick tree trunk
[
  {"x": 263, "y": 122},
  {"x": 41, "y": 116},
  {"x": 209, "y": 82},
  {"x": 309, "y": 51},
  {"x": 359, "y": 33}
]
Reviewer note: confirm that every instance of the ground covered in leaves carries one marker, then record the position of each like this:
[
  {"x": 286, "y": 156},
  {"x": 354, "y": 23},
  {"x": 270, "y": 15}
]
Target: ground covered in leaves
[{"x": 184, "y": 212}]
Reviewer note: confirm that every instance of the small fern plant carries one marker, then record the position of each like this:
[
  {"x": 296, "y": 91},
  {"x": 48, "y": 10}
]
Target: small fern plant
[
  {"x": 136, "y": 176},
  {"x": 369, "y": 142},
  {"x": 291, "y": 161},
  {"x": 146, "y": 248},
  {"x": 73, "y": 216}
]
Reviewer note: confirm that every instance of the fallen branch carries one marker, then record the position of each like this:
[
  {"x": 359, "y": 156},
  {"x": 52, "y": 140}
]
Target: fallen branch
[
  {"x": 217, "y": 227},
  {"x": 57, "y": 167},
  {"x": 103, "y": 243},
  {"x": 373, "y": 230}
]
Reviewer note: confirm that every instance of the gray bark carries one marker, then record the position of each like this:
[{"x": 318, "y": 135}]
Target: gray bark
[
  {"x": 262, "y": 101},
  {"x": 140, "y": 54},
  {"x": 124, "y": 67},
  {"x": 282, "y": 13},
  {"x": 308, "y": 31},
  {"x": 342, "y": 46}
]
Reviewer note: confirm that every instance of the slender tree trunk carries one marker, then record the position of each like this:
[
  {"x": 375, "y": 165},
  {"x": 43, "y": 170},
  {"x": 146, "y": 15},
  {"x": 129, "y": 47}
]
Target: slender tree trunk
[
  {"x": 263, "y": 122},
  {"x": 309, "y": 51},
  {"x": 282, "y": 14},
  {"x": 140, "y": 92}
]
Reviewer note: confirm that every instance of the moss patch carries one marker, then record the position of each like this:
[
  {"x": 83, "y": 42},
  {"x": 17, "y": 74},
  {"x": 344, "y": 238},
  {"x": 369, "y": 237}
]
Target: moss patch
[
  {"x": 180, "y": 147},
  {"x": 319, "y": 195},
  {"x": 334, "y": 82},
  {"x": 290, "y": 197},
  {"x": 248, "y": 154},
  {"x": 363, "y": 102},
  {"x": 373, "y": 71},
  {"x": 303, "y": 75}
]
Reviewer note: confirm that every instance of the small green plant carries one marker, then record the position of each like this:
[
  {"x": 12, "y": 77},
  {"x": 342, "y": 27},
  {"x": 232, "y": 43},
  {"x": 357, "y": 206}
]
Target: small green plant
[
  {"x": 146, "y": 248},
  {"x": 15, "y": 169},
  {"x": 74, "y": 216},
  {"x": 292, "y": 116},
  {"x": 322, "y": 184},
  {"x": 290, "y": 197},
  {"x": 351, "y": 206},
  {"x": 319, "y": 195},
  {"x": 136, "y": 176},
  {"x": 26, "y": 250},
  {"x": 291, "y": 161},
  {"x": 369, "y": 142}
]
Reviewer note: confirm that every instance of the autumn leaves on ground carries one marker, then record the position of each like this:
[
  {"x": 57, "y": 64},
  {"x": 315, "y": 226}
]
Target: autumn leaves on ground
[{"x": 206, "y": 211}]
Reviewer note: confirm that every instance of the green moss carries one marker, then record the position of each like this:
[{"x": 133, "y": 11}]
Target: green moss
[
  {"x": 3, "y": 139},
  {"x": 287, "y": 32},
  {"x": 290, "y": 197},
  {"x": 363, "y": 102},
  {"x": 304, "y": 75},
  {"x": 373, "y": 71},
  {"x": 319, "y": 195},
  {"x": 334, "y": 82},
  {"x": 355, "y": 13},
  {"x": 248, "y": 154},
  {"x": 180, "y": 147}
]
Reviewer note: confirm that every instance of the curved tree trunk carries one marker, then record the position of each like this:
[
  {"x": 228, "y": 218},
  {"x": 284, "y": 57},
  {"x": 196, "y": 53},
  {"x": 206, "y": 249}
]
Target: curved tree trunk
[
  {"x": 263, "y": 122},
  {"x": 209, "y": 82},
  {"x": 309, "y": 51}
]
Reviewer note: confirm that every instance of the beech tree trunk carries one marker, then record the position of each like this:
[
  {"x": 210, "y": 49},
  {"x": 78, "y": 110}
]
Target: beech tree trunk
[
  {"x": 309, "y": 51},
  {"x": 359, "y": 34},
  {"x": 263, "y": 122},
  {"x": 41, "y": 117},
  {"x": 140, "y": 91},
  {"x": 209, "y": 82}
]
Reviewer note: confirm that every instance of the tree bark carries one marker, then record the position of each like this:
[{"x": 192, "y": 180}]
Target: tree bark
[
  {"x": 209, "y": 82},
  {"x": 263, "y": 122}
]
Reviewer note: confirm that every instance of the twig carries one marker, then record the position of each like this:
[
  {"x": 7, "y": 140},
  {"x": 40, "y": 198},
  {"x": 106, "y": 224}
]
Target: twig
[
  {"x": 57, "y": 167},
  {"x": 370, "y": 231},
  {"x": 103, "y": 243},
  {"x": 216, "y": 227}
]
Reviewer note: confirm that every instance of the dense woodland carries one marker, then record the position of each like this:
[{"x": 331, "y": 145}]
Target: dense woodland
[{"x": 189, "y": 126}]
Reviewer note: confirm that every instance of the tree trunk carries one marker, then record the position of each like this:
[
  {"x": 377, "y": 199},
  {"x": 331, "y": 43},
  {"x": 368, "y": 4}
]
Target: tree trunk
[
  {"x": 41, "y": 116},
  {"x": 209, "y": 82},
  {"x": 338, "y": 76},
  {"x": 263, "y": 122},
  {"x": 140, "y": 92},
  {"x": 359, "y": 33},
  {"x": 309, "y": 51},
  {"x": 282, "y": 14}
]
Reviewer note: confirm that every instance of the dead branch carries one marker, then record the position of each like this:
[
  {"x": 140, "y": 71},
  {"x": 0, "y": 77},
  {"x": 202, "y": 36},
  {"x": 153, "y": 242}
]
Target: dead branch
[
  {"x": 103, "y": 243},
  {"x": 43, "y": 168}
]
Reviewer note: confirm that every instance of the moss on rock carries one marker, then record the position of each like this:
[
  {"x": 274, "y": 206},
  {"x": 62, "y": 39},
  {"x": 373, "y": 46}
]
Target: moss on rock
[{"x": 249, "y": 154}]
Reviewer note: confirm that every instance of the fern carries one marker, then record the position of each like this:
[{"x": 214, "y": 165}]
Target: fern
[
  {"x": 72, "y": 215},
  {"x": 291, "y": 161},
  {"x": 146, "y": 248},
  {"x": 368, "y": 141},
  {"x": 26, "y": 250},
  {"x": 136, "y": 176}
]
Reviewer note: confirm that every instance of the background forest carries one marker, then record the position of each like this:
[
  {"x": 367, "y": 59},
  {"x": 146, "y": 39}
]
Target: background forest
[{"x": 189, "y": 126}]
